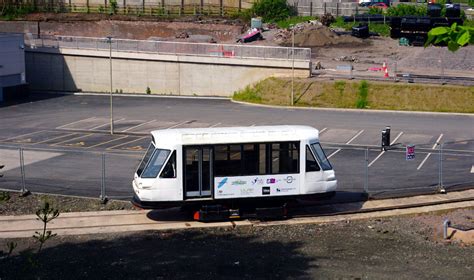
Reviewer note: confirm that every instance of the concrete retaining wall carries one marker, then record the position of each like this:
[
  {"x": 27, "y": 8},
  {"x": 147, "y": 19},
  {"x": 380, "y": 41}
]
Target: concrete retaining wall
[{"x": 86, "y": 70}]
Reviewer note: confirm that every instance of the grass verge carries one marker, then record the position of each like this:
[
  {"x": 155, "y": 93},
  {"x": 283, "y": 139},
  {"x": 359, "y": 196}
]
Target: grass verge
[{"x": 355, "y": 94}]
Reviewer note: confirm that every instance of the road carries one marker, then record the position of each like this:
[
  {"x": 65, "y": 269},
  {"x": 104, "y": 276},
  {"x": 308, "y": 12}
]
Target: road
[{"x": 63, "y": 137}]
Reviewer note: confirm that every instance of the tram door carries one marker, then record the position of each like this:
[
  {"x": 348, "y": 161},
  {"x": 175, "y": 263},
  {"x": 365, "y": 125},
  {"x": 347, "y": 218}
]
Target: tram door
[{"x": 197, "y": 172}]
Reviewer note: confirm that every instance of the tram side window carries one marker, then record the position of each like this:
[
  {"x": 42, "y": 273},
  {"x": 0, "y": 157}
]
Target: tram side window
[
  {"x": 250, "y": 159},
  {"x": 284, "y": 157},
  {"x": 227, "y": 160},
  {"x": 169, "y": 171},
  {"x": 311, "y": 163}
]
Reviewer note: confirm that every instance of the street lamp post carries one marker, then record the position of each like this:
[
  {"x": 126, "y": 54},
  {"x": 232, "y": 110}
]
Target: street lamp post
[
  {"x": 109, "y": 40},
  {"x": 293, "y": 65}
]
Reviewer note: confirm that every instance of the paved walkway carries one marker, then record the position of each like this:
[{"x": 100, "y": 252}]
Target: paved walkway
[{"x": 123, "y": 221}]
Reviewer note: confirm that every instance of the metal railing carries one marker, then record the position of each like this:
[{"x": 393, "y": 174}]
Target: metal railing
[
  {"x": 165, "y": 47},
  {"x": 359, "y": 169}
]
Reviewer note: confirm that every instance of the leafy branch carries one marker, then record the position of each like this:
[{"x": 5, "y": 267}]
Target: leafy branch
[{"x": 454, "y": 37}]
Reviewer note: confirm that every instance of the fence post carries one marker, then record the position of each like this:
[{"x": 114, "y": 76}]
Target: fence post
[
  {"x": 143, "y": 6},
  {"x": 105, "y": 4},
  {"x": 221, "y": 4},
  {"x": 201, "y": 7},
  {"x": 366, "y": 179},
  {"x": 181, "y": 10},
  {"x": 87, "y": 6},
  {"x": 440, "y": 170},
  {"x": 24, "y": 191},
  {"x": 395, "y": 72},
  {"x": 103, "y": 196},
  {"x": 324, "y": 6},
  {"x": 311, "y": 8},
  {"x": 337, "y": 9},
  {"x": 240, "y": 6}
]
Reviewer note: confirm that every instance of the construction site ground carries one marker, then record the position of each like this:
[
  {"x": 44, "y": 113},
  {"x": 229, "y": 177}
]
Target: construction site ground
[{"x": 330, "y": 48}]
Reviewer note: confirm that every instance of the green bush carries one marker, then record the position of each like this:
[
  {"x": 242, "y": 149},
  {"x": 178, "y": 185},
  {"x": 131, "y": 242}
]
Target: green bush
[
  {"x": 340, "y": 86},
  {"x": 363, "y": 93},
  {"x": 272, "y": 10},
  {"x": 113, "y": 7},
  {"x": 375, "y": 11},
  {"x": 248, "y": 94},
  {"x": 11, "y": 12},
  {"x": 407, "y": 10}
]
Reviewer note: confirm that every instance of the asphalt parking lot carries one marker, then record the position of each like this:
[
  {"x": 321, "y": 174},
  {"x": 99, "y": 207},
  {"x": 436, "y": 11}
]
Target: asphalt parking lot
[{"x": 64, "y": 137}]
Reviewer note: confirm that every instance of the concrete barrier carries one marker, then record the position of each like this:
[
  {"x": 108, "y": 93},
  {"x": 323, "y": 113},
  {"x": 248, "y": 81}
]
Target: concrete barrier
[{"x": 63, "y": 69}]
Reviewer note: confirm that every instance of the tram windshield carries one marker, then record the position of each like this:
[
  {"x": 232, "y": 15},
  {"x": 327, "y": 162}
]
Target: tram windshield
[
  {"x": 145, "y": 159},
  {"x": 323, "y": 160},
  {"x": 152, "y": 162}
]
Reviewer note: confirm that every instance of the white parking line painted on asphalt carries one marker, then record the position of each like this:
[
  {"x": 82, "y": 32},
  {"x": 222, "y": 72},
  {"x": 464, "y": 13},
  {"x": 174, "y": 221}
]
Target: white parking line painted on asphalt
[
  {"x": 107, "y": 123},
  {"x": 55, "y": 138},
  {"x": 126, "y": 143},
  {"x": 322, "y": 130},
  {"x": 178, "y": 124},
  {"x": 21, "y": 135},
  {"x": 472, "y": 169},
  {"x": 382, "y": 152},
  {"x": 423, "y": 161},
  {"x": 72, "y": 139},
  {"x": 396, "y": 138},
  {"x": 437, "y": 141},
  {"x": 137, "y": 126},
  {"x": 376, "y": 158},
  {"x": 429, "y": 154},
  {"x": 102, "y": 143},
  {"x": 348, "y": 142},
  {"x": 355, "y": 136},
  {"x": 68, "y": 124},
  {"x": 214, "y": 125}
]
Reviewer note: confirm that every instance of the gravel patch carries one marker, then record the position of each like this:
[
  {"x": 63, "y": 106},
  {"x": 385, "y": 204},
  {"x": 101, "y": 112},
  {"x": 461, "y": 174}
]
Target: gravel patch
[{"x": 17, "y": 205}]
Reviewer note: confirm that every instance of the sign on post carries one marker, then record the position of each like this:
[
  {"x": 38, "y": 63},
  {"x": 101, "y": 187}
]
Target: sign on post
[{"x": 410, "y": 152}]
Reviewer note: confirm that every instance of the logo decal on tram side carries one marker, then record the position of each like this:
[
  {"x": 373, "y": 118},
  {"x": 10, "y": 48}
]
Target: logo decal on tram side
[
  {"x": 239, "y": 182},
  {"x": 222, "y": 183},
  {"x": 265, "y": 190},
  {"x": 271, "y": 181},
  {"x": 290, "y": 179},
  {"x": 257, "y": 181}
]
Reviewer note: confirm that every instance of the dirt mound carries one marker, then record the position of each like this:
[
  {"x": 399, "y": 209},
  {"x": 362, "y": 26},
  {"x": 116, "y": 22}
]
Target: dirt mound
[{"x": 321, "y": 36}]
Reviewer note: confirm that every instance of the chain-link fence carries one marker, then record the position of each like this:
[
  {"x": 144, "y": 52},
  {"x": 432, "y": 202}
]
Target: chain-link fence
[
  {"x": 161, "y": 8},
  {"x": 66, "y": 172},
  {"x": 359, "y": 169},
  {"x": 398, "y": 172},
  {"x": 163, "y": 47}
]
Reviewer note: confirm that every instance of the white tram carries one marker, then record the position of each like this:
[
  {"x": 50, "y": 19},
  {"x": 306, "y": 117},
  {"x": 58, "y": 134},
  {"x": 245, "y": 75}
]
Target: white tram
[{"x": 227, "y": 165}]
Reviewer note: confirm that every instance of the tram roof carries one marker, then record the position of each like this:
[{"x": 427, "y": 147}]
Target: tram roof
[{"x": 244, "y": 134}]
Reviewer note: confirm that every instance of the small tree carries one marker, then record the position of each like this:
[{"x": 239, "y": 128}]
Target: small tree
[
  {"x": 454, "y": 37},
  {"x": 46, "y": 214}
]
